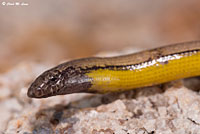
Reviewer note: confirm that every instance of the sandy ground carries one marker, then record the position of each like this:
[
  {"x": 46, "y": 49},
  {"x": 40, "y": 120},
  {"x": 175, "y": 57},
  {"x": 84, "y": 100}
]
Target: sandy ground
[{"x": 171, "y": 109}]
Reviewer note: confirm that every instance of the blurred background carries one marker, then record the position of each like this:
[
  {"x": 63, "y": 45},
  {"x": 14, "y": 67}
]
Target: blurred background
[{"x": 50, "y": 31}]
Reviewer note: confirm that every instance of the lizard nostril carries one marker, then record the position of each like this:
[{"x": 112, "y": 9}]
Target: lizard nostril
[{"x": 38, "y": 93}]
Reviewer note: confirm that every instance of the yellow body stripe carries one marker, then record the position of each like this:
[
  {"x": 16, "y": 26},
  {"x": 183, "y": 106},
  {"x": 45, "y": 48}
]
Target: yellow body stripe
[{"x": 157, "y": 71}]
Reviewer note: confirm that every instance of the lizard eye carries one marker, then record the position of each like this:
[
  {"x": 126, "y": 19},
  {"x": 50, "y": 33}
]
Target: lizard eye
[{"x": 53, "y": 79}]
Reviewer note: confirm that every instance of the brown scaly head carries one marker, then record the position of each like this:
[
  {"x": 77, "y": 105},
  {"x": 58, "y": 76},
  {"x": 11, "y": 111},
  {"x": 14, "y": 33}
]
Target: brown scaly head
[{"x": 59, "y": 80}]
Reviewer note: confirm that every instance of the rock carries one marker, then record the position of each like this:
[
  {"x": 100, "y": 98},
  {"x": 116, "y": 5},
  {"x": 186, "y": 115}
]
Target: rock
[{"x": 146, "y": 110}]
